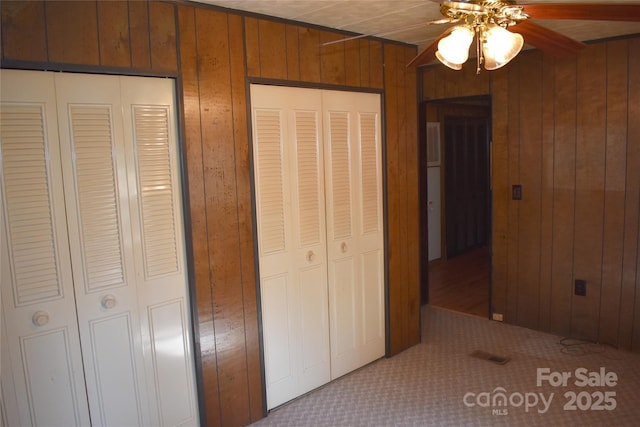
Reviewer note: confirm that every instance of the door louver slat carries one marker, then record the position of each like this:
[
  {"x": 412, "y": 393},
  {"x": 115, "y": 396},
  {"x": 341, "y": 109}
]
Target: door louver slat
[
  {"x": 369, "y": 167},
  {"x": 91, "y": 130},
  {"x": 270, "y": 181},
  {"x": 27, "y": 202},
  {"x": 151, "y": 128},
  {"x": 308, "y": 176},
  {"x": 340, "y": 174}
]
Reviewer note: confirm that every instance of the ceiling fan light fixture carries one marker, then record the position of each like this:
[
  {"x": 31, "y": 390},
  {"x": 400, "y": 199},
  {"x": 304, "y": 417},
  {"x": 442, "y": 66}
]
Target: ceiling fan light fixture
[
  {"x": 500, "y": 46},
  {"x": 454, "y": 49}
]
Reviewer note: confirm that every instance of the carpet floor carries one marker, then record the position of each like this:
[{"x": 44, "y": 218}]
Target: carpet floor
[{"x": 546, "y": 380}]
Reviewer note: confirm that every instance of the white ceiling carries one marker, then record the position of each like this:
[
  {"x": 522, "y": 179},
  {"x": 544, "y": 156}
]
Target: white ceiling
[{"x": 377, "y": 16}]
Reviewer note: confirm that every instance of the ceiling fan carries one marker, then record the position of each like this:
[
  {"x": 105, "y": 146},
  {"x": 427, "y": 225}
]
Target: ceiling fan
[{"x": 500, "y": 28}]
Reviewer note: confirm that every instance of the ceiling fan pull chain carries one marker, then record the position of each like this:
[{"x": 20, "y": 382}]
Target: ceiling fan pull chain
[{"x": 478, "y": 49}]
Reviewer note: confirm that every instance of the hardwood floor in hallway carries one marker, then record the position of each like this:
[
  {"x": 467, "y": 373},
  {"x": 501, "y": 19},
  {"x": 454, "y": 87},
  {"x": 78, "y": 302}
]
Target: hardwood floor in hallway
[{"x": 462, "y": 283}]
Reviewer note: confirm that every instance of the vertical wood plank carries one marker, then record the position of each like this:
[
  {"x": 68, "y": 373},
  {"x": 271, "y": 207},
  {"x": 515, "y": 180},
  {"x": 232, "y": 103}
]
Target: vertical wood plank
[
  {"x": 332, "y": 59},
  {"x": 198, "y": 212},
  {"x": 376, "y": 65},
  {"x": 546, "y": 196},
  {"x": 72, "y": 32},
  {"x": 513, "y": 136},
  {"x": 614, "y": 196},
  {"x": 450, "y": 81},
  {"x": 23, "y": 31},
  {"x": 590, "y": 152},
  {"x": 352, "y": 62},
  {"x": 162, "y": 36},
  {"x": 113, "y": 32},
  {"x": 402, "y": 189},
  {"x": 245, "y": 218},
  {"x": 413, "y": 207},
  {"x": 273, "y": 49},
  {"x": 470, "y": 83},
  {"x": 218, "y": 154},
  {"x": 139, "y": 34},
  {"x": 629, "y": 319},
  {"x": 564, "y": 175},
  {"x": 437, "y": 88},
  {"x": 365, "y": 63},
  {"x": 428, "y": 82},
  {"x": 397, "y": 297},
  {"x": 501, "y": 191},
  {"x": 252, "y": 42},
  {"x": 309, "y": 43},
  {"x": 293, "y": 53},
  {"x": 635, "y": 345},
  {"x": 530, "y": 142}
]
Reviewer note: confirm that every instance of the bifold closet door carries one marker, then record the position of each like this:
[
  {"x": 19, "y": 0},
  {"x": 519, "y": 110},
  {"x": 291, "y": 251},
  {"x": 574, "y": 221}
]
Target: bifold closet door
[
  {"x": 38, "y": 302},
  {"x": 318, "y": 181},
  {"x": 127, "y": 287},
  {"x": 355, "y": 238},
  {"x": 124, "y": 217},
  {"x": 291, "y": 240}
]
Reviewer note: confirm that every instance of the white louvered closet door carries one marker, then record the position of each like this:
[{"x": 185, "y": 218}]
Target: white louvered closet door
[
  {"x": 122, "y": 195},
  {"x": 355, "y": 240},
  {"x": 93, "y": 160},
  {"x": 124, "y": 226},
  {"x": 317, "y": 163},
  {"x": 37, "y": 285},
  {"x": 291, "y": 240},
  {"x": 157, "y": 224}
]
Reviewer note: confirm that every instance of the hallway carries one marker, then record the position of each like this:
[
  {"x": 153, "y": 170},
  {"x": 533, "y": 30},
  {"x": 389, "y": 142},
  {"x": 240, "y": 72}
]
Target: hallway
[{"x": 462, "y": 283}]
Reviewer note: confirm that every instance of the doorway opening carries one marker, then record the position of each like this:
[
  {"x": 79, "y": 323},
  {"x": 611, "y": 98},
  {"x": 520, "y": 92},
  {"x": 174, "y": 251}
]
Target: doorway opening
[{"x": 455, "y": 207}]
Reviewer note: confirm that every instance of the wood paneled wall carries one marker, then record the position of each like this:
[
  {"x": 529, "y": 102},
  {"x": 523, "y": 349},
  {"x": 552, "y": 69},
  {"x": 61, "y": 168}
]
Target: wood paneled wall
[
  {"x": 402, "y": 194},
  {"x": 213, "y": 53},
  {"x": 567, "y": 130},
  {"x": 131, "y": 35}
]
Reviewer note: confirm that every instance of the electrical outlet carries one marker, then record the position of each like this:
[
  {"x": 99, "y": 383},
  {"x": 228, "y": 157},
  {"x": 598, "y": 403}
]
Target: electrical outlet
[
  {"x": 497, "y": 317},
  {"x": 580, "y": 288}
]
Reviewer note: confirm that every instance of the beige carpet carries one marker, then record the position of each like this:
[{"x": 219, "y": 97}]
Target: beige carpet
[{"x": 438, "y": 383}]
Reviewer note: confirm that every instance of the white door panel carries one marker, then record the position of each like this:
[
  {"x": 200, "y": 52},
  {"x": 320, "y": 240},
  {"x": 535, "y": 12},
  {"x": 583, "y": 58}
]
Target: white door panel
[
  {"x": 159, "y": 253},
  {"x": 314, "y": 327},
  {"x": 99, "y": 234},
  {"x": 373, "y": 332},
  {"x": 37, "y": 284},
  {"x": 434, "y": 206},
  {"x": 291, "y": 241},
  {"x": 279, "y": 333},
  {"x": 354, "y": 208}
]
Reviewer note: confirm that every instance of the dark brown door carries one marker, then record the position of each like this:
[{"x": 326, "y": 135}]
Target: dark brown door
[{"x": 466, "y": 146}]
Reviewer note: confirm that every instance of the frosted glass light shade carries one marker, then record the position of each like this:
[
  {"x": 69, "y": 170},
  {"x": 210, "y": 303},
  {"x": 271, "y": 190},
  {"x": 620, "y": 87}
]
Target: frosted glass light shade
[
  {"x": 453, "y": 50},
  {"x": 500, "y": 47},
  {"x": 447, "y": 63}
]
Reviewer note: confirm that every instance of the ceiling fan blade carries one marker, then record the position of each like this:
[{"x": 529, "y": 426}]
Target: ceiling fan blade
[
  {"x": 599, "y": 12},
  {"x": 392, "y": 31},
  {"x": 428, "y": 55},
  {"x": 547, "y": 40}
]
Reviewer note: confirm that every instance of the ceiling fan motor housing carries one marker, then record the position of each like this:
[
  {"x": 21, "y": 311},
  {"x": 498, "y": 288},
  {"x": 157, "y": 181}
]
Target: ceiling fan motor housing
[{"x": 482, "y": 13}]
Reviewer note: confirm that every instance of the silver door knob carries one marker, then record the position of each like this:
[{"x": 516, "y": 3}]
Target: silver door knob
[
  {"x": 40, "y": 318},
  {"x": 108, "y": 301},
  {"x": 310, "y": 256}
]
